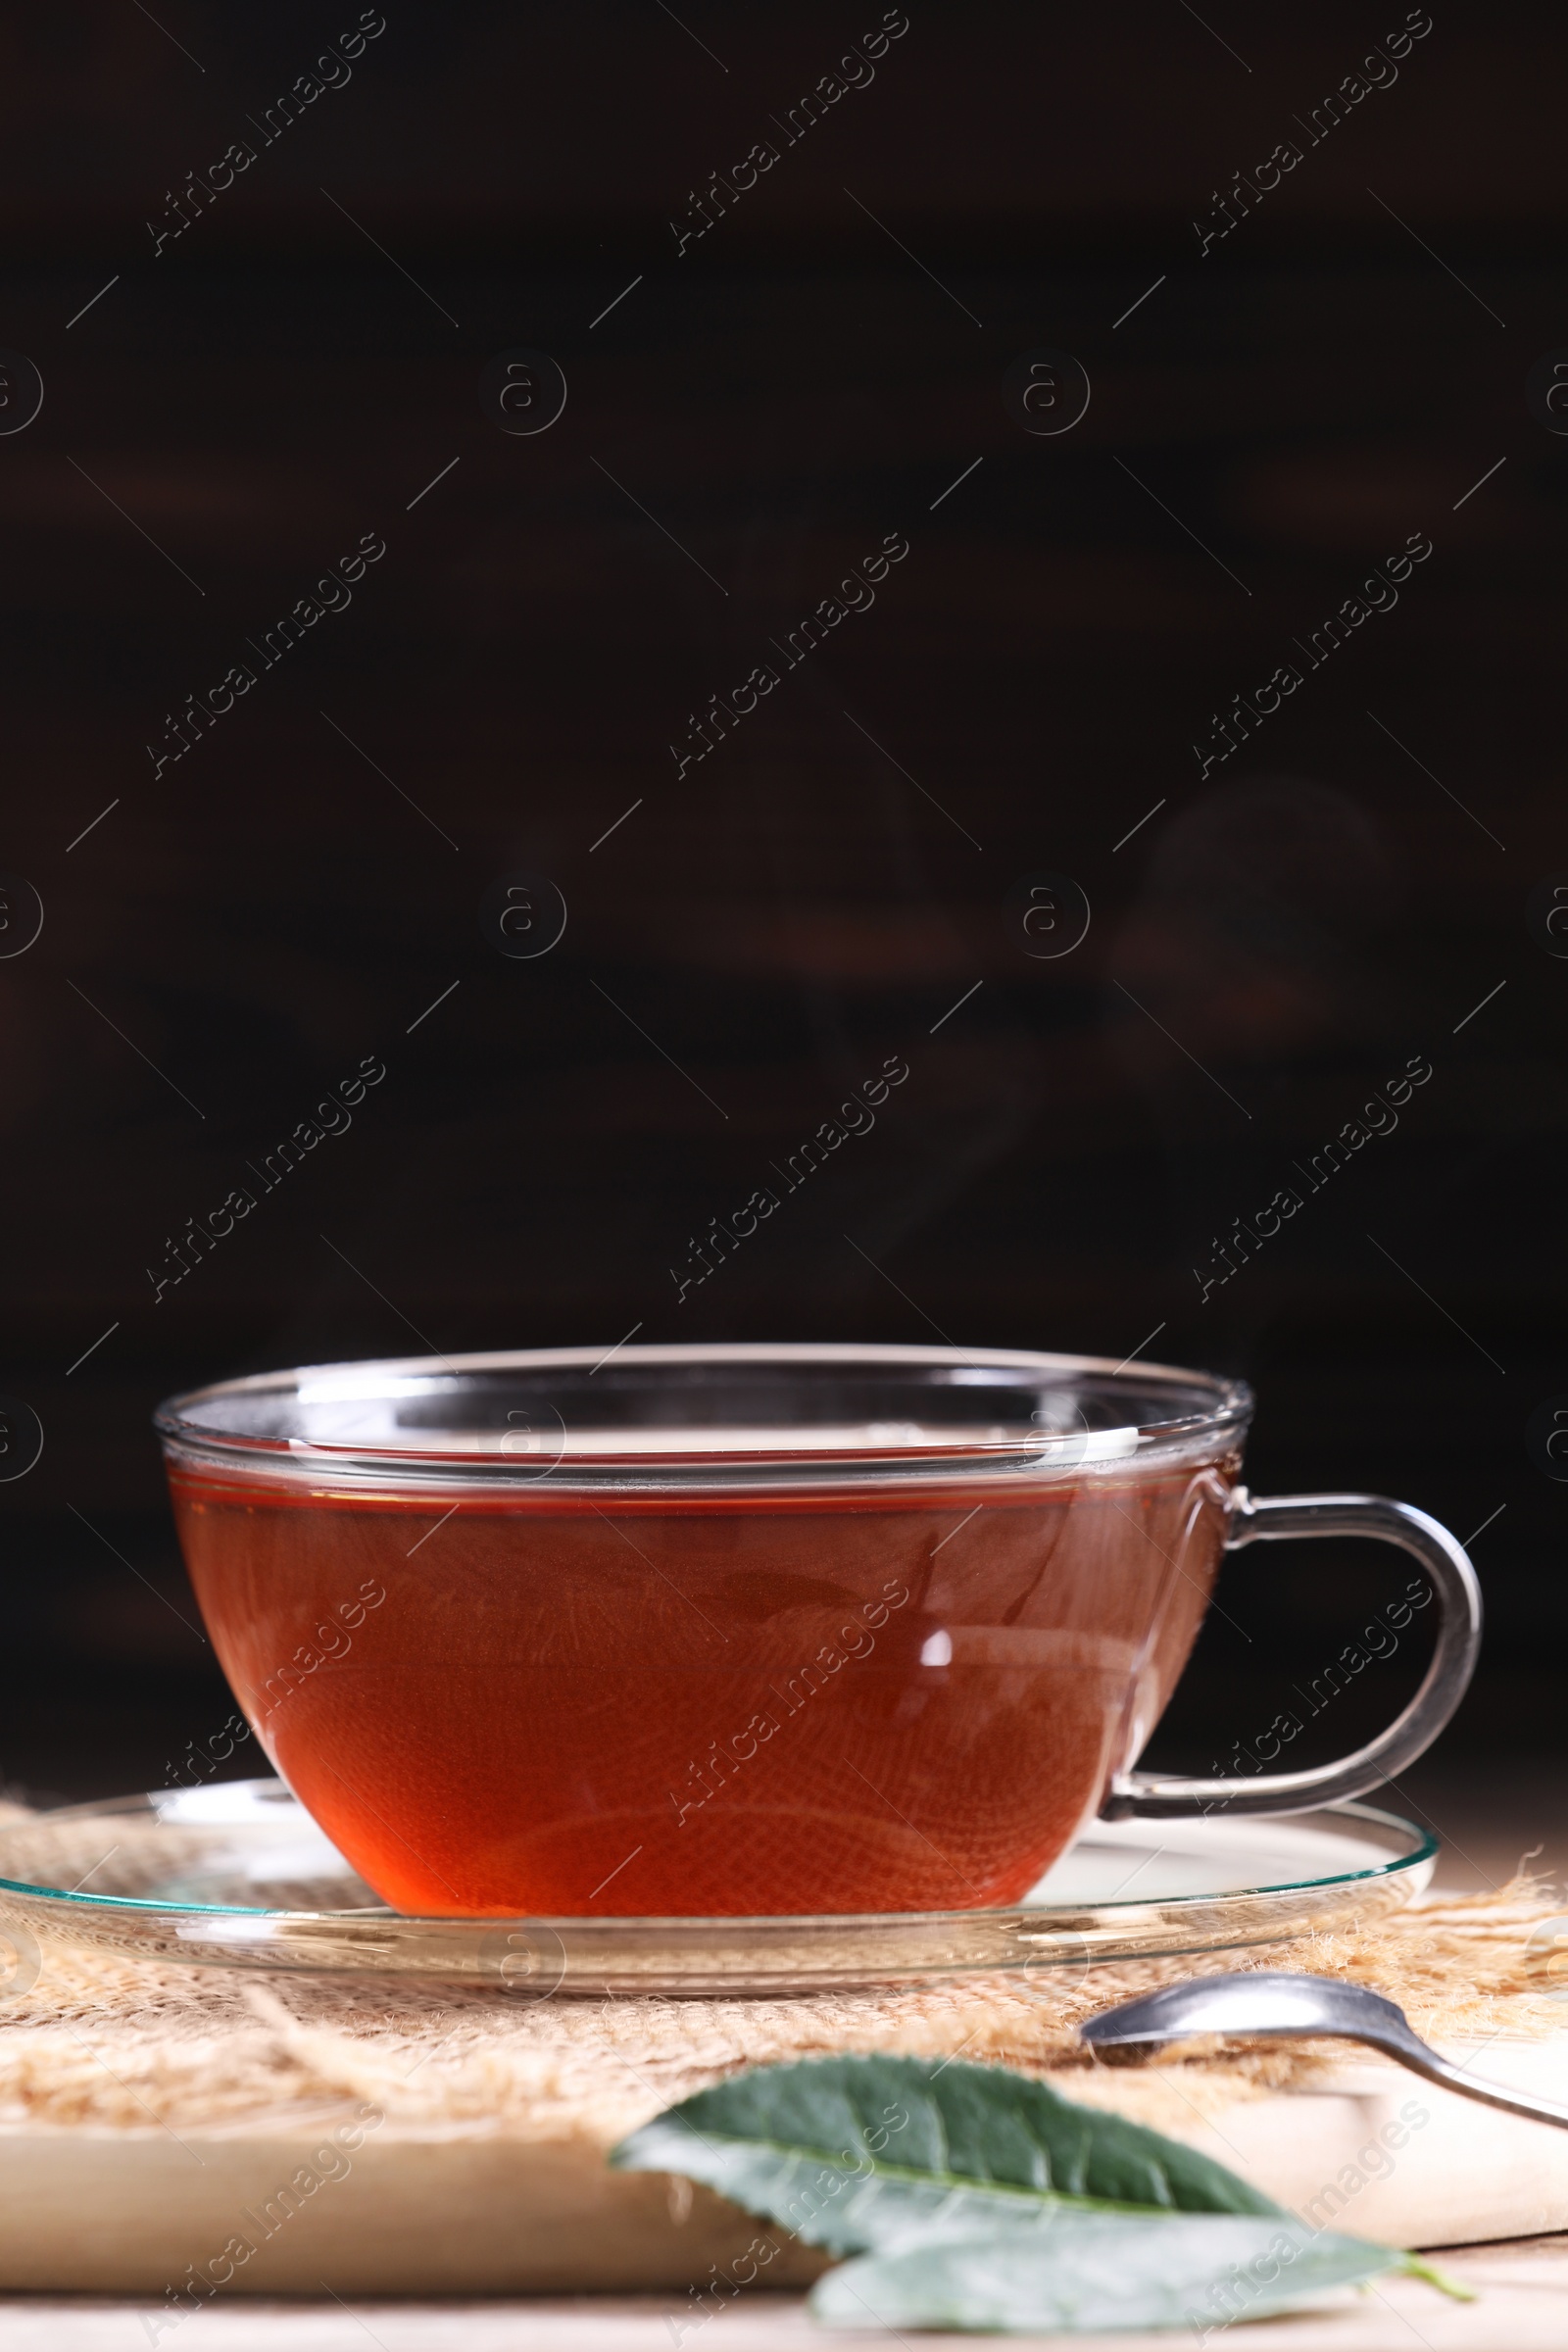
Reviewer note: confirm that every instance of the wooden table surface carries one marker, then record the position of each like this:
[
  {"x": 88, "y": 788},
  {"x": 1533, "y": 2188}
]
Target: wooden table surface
[{"x": 1522, "y": 2306}]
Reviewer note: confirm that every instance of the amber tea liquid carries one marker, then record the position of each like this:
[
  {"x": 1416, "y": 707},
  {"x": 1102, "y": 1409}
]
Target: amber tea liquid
[{"x": 873, "y": 1702}]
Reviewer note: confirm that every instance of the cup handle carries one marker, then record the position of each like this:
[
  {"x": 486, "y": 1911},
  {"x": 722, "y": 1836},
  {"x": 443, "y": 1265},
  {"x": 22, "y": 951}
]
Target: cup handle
[{"x": 1157, "y": 1796}]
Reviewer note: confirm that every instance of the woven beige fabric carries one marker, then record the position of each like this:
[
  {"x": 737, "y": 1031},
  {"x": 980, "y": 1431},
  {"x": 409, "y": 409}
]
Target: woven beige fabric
[{"x": 102, "y": 2041}]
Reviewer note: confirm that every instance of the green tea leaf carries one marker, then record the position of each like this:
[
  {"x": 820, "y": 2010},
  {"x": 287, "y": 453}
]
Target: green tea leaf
[
  {"x": 874, "y": 2152},
  {"x": 1087, "y": 2270}
]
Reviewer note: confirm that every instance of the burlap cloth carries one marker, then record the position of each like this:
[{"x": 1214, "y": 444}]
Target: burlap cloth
[{"x": 99, "y": 2041}]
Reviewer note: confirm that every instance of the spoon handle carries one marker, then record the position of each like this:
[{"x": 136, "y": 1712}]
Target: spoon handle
[{"x": 1423, "y": 2060}]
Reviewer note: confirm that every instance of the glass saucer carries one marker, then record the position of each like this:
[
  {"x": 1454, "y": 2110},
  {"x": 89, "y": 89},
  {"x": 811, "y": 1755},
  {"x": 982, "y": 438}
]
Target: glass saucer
[{"x": 237, "y": 1875}]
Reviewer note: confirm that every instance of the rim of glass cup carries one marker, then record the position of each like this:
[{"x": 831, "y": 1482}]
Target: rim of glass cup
[{"x": 341, "y": 1424}]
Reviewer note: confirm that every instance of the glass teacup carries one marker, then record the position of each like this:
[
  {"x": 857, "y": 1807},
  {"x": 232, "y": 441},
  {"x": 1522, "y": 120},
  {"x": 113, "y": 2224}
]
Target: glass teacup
[{"x": 738, "y": 1629}]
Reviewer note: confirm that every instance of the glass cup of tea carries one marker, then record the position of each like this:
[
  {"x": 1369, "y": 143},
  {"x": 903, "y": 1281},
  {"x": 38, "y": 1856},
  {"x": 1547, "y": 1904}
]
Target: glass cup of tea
[{"x": 740, "y": 1630}]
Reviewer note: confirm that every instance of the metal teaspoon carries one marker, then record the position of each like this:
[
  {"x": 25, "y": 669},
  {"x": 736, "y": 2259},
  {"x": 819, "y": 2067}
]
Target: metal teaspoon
[{"x": 1269, "y": 2001}]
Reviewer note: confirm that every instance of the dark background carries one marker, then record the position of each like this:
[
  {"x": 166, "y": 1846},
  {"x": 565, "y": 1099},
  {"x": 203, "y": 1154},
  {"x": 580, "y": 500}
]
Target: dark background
[{"x": 237, "y": 932}]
